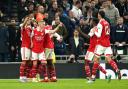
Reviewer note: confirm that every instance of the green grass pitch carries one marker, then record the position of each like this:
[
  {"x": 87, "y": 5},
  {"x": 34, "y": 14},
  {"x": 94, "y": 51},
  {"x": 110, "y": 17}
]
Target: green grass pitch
[{"x": 64, "y": 84}]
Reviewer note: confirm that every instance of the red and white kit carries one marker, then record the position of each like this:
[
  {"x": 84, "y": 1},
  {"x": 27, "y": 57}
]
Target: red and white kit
[
  {"x": 38, "y": 40},
  {"x": 26, "y": 42},
  {"x": 103, "y": 36},
  {"x": 49, "y": 44},
  {"x": 93, "y": 42},
  {"x": 38, "y": 45}
]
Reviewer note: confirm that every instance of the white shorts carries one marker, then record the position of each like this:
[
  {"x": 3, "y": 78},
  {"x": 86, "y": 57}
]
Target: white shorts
[
  {"x": 99, "y": 50},
  {"x": 25, "y": 53},
  {"x": 49, "y": 53},
  {"x": 89, "y": 56},
  {"x": 38, "y": 56}
]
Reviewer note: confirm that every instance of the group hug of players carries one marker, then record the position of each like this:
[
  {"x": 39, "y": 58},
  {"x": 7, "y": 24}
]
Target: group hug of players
[{"x": 37, "y": 49}]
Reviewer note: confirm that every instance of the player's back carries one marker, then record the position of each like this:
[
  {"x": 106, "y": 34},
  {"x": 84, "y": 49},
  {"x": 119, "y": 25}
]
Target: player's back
[
  {"x": 93, "y": 41},
  {"x": 26, "y": 36},
  {"x": 104, "y": 40}
]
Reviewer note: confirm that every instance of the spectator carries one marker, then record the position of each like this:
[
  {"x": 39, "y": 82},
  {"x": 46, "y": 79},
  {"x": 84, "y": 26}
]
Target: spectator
[
  {"x": 50, "y": 3},
  {"x": 126, "y": 5},
  {"x": 52, "y": 11},
  {"x": 67, "y": 21},
  {"x": 73, "y": 23},
  {"x": 4, "y": 42},
  {"x": 44, "y": 3},
  {"x": 85, "y": 28},
  {"x": 30, "y": 8},
  {"x": 76, "y": 10},
  {"x": 66, "y": 6},
  {"x": 85, "y": 5},
  {"x": 18, "y": 44},
  {"x": 99, "y": 3},
  {"x": 39, "y": 13},
  {"x": 21, "y": 9},
  {"x": 121, "y": 7},
  {"x": 103, "y": 5},
  {"x": 76, "y": 44},
  {"x": 62, "y": 30},
  {"x": 111, "y": 12},
  {"x": 60, "y": 47},
  {"x": 40, "y": 9},
  {"x": 126, "y": 18},
  {"x": 46, "y": 18},
  {"x": 120, "y": 36},
  {"x": 94, "y": 10},
  {"x": 12, "y": 40},
  {"x": 89, "y": 13}
]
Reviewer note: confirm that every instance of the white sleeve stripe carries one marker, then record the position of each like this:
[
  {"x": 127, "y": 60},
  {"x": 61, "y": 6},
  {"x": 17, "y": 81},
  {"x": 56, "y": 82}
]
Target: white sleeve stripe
[
  {"x": 91, "y": 33},
  {"x": 99, "y": 30}
]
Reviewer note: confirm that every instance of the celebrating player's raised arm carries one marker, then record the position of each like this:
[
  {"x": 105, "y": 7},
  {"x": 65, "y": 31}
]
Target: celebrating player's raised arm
[{"x": 25, "y": 22}]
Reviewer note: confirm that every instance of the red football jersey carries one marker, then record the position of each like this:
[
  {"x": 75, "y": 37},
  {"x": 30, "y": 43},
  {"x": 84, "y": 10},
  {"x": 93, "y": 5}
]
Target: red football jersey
[
  {"x": 26, "y": 36},
  {"x": 48, "y": 40},
  {"x": 93, "y": 40},
  {"x": 38, "y": 41},
  {"x": 103, "y": 33}
]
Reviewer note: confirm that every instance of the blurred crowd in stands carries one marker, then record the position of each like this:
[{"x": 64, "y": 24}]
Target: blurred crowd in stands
[{"x": 70, "y": 13}]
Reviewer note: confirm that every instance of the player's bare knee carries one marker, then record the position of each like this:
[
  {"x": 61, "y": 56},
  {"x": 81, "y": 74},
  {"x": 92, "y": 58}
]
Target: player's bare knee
[
  {"x": 96, "y": 59},
  {"x": 108, "y": 58}
]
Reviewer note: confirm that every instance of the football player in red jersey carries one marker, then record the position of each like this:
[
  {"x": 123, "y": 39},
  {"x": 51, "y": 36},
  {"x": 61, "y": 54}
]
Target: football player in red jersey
[
  {"x": 38, "y": 48},
  {"x": 25, "y": 46},
  {"x": 103, "y": 45},
  {"x": 49, "y": 52},
  {"x": 90, "y": 52}
]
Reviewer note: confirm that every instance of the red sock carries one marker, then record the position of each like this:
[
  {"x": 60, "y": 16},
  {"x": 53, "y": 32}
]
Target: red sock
[
  {"x": 28, "y": 71},
  {"x": 44, "y": 68},
  {"x": 94, "y": 68},
  {"x": 51, "y": 70},
  {"x": 87, "y": 69},
  {"x": 102, "y": 69},
  {"x": 34, "y": 71},
  {"x": 114, "y": 65},
  {"x": 40, "y": 68},
  {"x": 30, "y": 74},
  {"x": 22, "y": 70}
]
